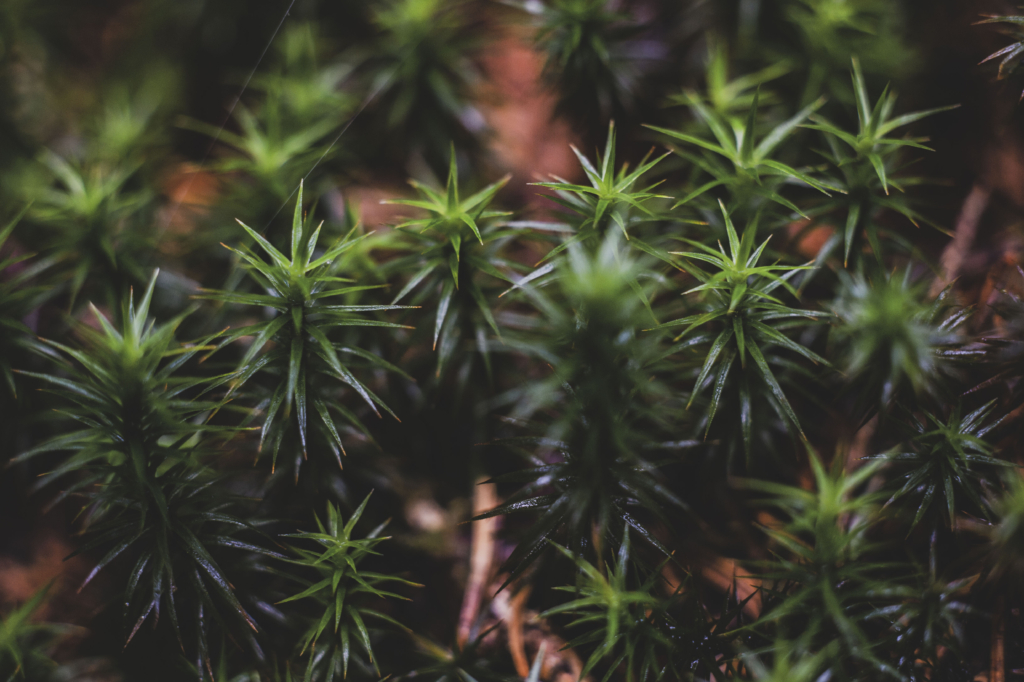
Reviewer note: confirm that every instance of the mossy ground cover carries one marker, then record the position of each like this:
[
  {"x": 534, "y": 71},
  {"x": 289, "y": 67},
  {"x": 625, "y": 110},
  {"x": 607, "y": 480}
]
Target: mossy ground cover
[{"x": 545, "y": 340}]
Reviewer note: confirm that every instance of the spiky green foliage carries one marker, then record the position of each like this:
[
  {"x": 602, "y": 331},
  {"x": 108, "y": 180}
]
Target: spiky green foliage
[
  {"x": 629, "y": 627},
  {"x": 891, "y": 337},
  {"x": 929, "y": 624},
  {"x": 19, "y": 295},
  {"x": 459, "y": 663},
  {"x": 865, "y": 167},
  {"x": 420, "y": 72},
  {"x": 303, "y": 88},
  {"x": 272, "y": 154},
  {"x": 1004, "y": 348},
  {"x": 129, "y": 124},
  {"x": 742, "y": 317},
  {"x": 741, "y": 158},
  {"x": 639, "y": 626},
  {"x": 94, "y": 223},
  {"x": 93, "y": 205},
  {"x": 564, "y": 376},
  {"x": 591, "y": 61},
  {"x": 832, "y": 16},
  {"x": 1006, "y": 537},
  {"x": 292, "y": 347},
  {"x": 138, "y": 458},
  {"x": 281, "y": 140},
  {"x": 25, "y": 645},
  {"x": 340, "y": 592},
  {"x": 1010, "y": 56},
  {"x": 732, "y": 98},
  {"x": 833, "y": 30},
  {"x": 873, "y": 141},
  {"x": 943, "y": 465},
  {"x": 454, "y": 252},
  {"x": 831, "y": 586},
  {"x": 125, "y": 391},
  {"x": 788, "y": 667},
  {"x": 611, "y": 199},
  {"x": 588, "y": 470},
  {"x": 285, "y": 132}
]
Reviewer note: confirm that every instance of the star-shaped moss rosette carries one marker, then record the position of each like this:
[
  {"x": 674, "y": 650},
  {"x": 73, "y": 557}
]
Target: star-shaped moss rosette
[
  {"x": 743, "y": 317},
  {"x": 453, "y": 251},
  {"x": 293, "y": 346}
]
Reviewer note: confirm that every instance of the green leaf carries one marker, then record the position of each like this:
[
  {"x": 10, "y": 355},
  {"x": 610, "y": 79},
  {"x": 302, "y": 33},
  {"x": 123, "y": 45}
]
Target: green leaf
[
  {"x": 447, "y": 291},
  {"x": 769, "y": 379}
]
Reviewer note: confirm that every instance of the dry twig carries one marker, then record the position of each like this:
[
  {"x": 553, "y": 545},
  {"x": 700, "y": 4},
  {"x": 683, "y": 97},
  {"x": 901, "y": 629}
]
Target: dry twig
[
  {"x": 481, "y": 559},
  {"x": 963, "y": 240}
]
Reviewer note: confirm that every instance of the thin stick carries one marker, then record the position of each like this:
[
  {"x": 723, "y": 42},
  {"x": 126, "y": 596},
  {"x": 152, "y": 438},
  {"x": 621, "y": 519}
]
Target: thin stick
[
  {"x": 516, "y": 642},
  {"x": 956, "y": 251},
  {"x": 997, "y": 668},
  {"x": 481, "y": 559}
]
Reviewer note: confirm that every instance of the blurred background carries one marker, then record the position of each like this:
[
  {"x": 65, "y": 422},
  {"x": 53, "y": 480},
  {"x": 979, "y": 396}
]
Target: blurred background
[{"x": 146, "y": 127}]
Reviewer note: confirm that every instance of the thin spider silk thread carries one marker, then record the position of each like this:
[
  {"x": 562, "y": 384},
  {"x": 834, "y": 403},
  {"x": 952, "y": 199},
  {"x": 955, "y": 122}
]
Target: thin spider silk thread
[
  {"x": 231, "y": 110},
  {"x": 362, "y": 107}
]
